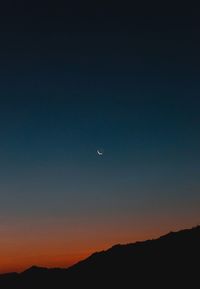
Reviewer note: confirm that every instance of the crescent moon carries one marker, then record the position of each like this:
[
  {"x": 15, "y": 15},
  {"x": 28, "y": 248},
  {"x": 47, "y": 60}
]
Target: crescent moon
[{"x": 99, "y": 153}]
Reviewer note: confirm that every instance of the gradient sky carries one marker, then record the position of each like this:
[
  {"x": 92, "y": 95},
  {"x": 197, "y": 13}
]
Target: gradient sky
[{"x": 77, "y": 78}]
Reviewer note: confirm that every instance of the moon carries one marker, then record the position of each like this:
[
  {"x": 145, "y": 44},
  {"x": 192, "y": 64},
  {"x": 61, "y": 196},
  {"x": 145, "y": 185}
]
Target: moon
[{"x": 100, "y": 152}]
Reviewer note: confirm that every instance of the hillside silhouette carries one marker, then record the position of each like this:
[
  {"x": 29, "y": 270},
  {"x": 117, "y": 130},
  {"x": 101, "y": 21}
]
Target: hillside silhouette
[{"x": 171, "y": 261}]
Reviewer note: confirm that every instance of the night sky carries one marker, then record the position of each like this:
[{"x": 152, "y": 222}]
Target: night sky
[{"x": 75, "y": 78}]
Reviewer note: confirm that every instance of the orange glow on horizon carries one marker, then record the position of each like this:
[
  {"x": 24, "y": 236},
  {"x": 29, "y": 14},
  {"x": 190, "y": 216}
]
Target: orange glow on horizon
[{"x": 48, "y": 244}]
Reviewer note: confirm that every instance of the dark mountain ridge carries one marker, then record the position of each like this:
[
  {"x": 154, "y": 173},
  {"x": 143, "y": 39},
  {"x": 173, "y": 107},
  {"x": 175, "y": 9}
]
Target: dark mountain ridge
[{"x": 170, "y": 261}]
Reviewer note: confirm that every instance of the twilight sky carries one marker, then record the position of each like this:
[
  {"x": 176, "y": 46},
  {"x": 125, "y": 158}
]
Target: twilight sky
[{"x": 81, "y": 77}]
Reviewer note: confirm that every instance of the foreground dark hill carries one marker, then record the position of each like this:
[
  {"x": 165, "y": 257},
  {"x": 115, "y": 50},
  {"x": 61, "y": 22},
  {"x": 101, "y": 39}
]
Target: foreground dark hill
[{"x": 171, "y": 261}]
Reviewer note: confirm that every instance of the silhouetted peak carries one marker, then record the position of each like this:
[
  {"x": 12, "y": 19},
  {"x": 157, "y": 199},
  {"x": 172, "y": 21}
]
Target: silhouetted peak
[
  {"x": 181, "y": 233},
  {"x": 35, "y": 269},
  {"x": 172, "y": 257}
]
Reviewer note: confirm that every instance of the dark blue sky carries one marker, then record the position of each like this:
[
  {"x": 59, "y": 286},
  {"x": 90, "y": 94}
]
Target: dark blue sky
[{"x": 77, "y": 78}]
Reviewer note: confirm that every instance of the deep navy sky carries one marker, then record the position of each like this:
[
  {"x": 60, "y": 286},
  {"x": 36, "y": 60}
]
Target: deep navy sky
[{"x": 75, "y": 78}]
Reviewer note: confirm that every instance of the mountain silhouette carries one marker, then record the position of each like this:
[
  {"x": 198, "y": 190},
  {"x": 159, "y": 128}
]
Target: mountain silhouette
[{"x": 170, "y": 261}]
